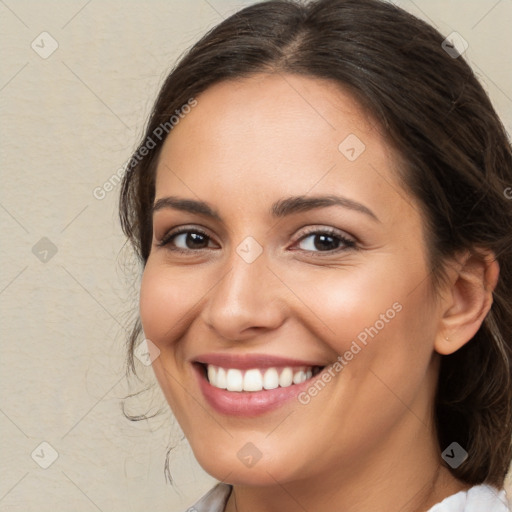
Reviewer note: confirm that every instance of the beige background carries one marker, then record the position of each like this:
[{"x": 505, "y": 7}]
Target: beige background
[{"x": 69, "y": 122}]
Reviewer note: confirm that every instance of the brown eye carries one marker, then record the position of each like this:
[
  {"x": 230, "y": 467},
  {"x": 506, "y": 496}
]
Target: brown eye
[
  {"x": 186, "y": 240},
  {"x": 324, "y": 241},
  {"x": 192, "y": 240}
]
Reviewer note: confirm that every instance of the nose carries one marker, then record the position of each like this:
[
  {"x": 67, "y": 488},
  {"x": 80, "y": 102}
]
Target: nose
[{"x": 245, "y": 301}]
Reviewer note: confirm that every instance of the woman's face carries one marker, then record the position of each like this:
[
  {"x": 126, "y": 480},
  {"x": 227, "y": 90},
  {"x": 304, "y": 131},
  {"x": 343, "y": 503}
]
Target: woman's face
[{"x": 303, "y": 253}]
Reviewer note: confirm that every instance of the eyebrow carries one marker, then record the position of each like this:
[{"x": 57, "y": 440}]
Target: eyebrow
[{"x": 279, "y": 209}]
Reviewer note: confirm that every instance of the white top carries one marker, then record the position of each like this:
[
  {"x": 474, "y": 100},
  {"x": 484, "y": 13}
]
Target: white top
[{"x": 480, "y": 498}]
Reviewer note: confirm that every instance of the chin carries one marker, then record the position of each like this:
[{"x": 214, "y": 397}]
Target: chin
[{"x": 228, "y": 467}]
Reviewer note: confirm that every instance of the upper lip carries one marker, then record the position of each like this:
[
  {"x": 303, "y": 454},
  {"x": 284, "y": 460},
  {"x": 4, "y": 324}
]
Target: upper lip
[{"x": 246, "y": 361}]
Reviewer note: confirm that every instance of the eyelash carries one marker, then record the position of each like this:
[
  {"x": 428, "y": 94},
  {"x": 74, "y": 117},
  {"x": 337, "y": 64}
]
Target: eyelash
[{"x": 346, "y": 242}]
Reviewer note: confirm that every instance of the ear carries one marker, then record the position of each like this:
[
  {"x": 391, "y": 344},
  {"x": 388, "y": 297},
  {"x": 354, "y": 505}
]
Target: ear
[{"x": 466, "y": 300}]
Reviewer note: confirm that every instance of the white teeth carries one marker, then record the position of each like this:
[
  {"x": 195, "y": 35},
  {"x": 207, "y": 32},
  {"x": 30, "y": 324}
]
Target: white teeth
[
  {"x": 211, "y": 373},
  {"x": 286, "y": 377},
  {"x": 234, "y": 380},
  {"x": 220, "y": 378},
  {"x": 299, "y": 377},
  {"x": 255, "y": 379},
  {"x": 271, "y": 379}
]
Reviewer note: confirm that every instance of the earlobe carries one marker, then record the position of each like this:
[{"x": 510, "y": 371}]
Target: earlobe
[{"x": 469, "y": 299}]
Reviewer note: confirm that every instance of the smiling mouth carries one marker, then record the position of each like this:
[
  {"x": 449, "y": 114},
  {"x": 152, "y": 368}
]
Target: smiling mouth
[{"x": 257, "y": 379}]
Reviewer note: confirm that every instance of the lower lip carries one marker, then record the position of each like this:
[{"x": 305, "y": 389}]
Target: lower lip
[{"x": 247, "y": 403}]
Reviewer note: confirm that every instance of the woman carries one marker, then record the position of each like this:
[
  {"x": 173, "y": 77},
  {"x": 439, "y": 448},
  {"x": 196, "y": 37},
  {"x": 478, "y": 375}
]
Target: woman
[{"x": 320, "y": 207}]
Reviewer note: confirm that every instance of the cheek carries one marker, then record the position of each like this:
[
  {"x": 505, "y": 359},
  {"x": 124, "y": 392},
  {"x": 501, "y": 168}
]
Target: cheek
[
  {"x": 347, "y": 302},
  {"x": 166, "y": 301},
  {"x": 163, "y": 306},
  {"x": 155, "y": 298},
  {"x": 377, "y": 316}
]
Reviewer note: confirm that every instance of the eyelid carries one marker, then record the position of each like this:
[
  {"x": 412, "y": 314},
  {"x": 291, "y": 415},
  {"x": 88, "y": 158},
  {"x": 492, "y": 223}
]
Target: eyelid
[
  {"x": 348, "y": 241},
  {"x": 166, "y": 238},
  {"x": 311, "y": 230}
]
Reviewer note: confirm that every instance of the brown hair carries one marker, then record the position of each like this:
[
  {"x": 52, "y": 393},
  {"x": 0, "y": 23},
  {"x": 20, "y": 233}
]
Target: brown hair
[{"x": 456, "y": 159}]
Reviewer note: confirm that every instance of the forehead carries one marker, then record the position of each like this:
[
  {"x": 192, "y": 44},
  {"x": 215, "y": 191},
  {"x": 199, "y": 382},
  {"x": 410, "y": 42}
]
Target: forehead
[
  {"x": 272, "y": 135},
  {"x": 266, "y": 106}
]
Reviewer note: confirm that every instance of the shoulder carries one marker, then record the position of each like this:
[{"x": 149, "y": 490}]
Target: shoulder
[
  {"x": 214, "y": 500},
  {"x": 476, "y": 499}
]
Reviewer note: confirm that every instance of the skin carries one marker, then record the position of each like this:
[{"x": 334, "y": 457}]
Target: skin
[{"x": 366, "y": 441}]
